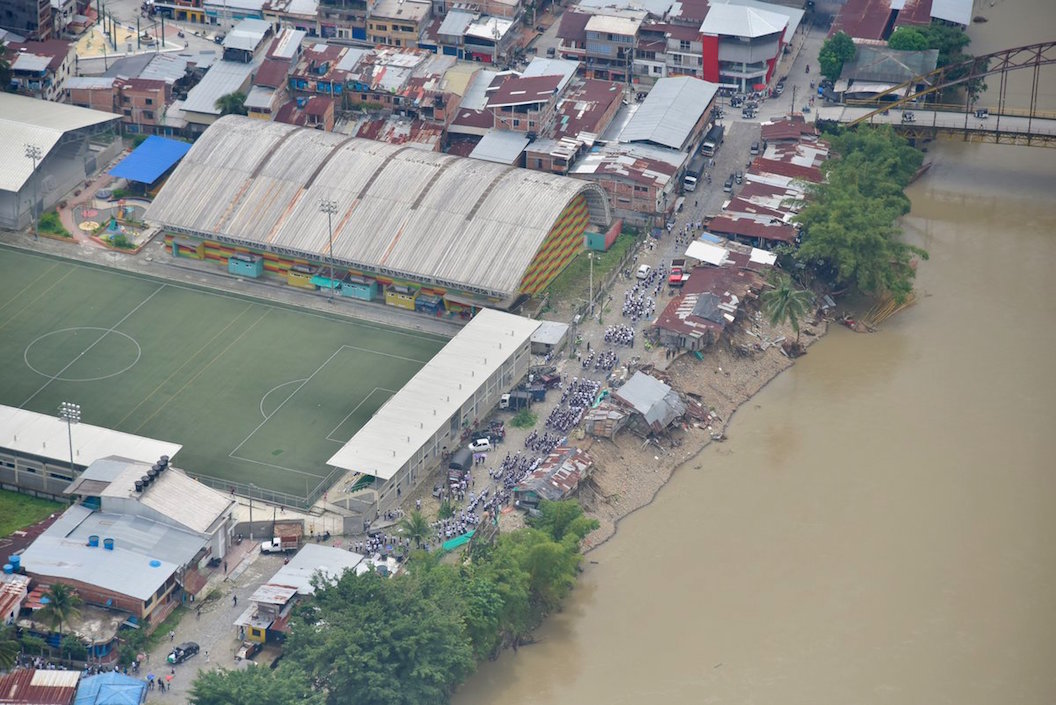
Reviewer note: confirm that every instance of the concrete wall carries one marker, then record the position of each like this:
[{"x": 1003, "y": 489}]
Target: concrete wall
[{"x": 35, "y": 476}]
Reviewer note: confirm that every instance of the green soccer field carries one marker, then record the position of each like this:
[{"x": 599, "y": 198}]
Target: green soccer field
[{"x": 256, "y": 392}]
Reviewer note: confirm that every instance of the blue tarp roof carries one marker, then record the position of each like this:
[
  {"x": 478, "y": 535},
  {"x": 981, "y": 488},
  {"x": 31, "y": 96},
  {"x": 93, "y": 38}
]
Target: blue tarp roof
[
  {"x": 151, "y": 159},
  {"x": 110, "y": 689}
]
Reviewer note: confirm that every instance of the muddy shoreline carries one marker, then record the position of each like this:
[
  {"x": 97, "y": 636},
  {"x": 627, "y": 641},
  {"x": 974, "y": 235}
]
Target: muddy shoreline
[{"x": 630, "y": 474}]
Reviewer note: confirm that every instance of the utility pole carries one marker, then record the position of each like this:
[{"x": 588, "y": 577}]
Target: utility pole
[
  {"x": 34, "y": 152},
  {"x": 590, "y": 258},
  {"x": 330, "y": 208},
  {"x": 72, "y": 414}
]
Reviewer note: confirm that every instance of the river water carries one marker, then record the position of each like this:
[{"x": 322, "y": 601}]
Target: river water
[{"x": 879, "y": 527}]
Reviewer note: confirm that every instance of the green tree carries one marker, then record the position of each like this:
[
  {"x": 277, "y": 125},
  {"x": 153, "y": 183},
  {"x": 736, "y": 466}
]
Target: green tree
[
  {"x": 232, "y": 104},
  {"x": 949, "y": 40},
  {"x": 850, "y": 234},
  {"x": 5, "y": 69},
  {"x": 835, "y": 52},
  {"x": 34, "y": 644},
  {"x": 63, "y": 606},
  {"x": 564, "y": 518},
  {"x": 786, "y": 304},
  {"x": 370, "y": 640},
  {"x": 446, "y": 510},
  {"x": 254, "y": 686},
  {"x": 416, "y": 527},
  {"x": 9, "y": 648},
  {"x": 908, "y": 39},
  {"x": 73, "y": 648}
]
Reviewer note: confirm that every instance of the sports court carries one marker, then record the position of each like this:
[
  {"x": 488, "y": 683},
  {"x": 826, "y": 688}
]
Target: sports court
[{"x": 256, "y": 392}]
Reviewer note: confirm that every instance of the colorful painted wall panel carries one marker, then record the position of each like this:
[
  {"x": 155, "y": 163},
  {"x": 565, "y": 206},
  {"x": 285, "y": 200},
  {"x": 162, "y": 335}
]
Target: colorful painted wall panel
[{"x": 561, "y": 244}]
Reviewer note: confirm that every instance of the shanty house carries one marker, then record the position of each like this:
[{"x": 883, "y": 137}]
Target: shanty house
[
  {"x": 652, "y": 401},
  {"x": 557, "y": 478}
]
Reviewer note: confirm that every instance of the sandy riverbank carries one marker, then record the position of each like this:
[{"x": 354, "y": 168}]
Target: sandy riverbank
[{"x": 630, "y": 473}]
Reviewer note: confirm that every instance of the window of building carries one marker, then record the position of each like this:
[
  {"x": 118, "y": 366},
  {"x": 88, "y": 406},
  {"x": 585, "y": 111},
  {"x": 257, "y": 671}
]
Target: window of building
[
  {"x": 516, "y": 123},
  {"x": 684, "y": 45},
  {"x": 148, "y": 114},
  {"x": 150, "y": 101}
]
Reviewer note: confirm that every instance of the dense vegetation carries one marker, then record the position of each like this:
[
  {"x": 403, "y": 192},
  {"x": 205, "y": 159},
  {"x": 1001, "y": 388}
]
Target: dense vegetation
[
  {"x": 411, "y": 639},
  {"x": 850, "y": 233},
  {"x": 835, "y": 52},
  {"x": 951, "y": 43}
]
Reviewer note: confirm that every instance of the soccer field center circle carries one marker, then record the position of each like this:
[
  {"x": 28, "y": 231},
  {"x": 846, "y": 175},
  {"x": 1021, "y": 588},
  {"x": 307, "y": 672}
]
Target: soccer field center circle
[{"x": 55, "y": 347}]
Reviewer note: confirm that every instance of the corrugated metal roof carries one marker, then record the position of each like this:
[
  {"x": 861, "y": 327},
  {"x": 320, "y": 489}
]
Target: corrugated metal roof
[
  {"x": 247, "y": 35},
  {"x": 742, "y": 21},
  {"x": 956, "y": 11},
  {"x": 41, "y": 123},
  {"x": 222, "y": 78},
  {"x": 500, "y": 146},
  {"x": 461, "y": 223},
  {"x": 38, "y": 687},
  {"x": 314, "y": 558},
  {"x": 45, "y": 436},
  {"x": 456, "y": 23},
  {"x": 794, "y": 14},
  {"x": 409, "y": 418},
  {"x": 669, "y": 113}
]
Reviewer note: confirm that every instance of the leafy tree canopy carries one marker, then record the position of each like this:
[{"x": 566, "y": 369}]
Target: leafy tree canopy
[
  {"x": 908, "y": 39},
  {"x": 368, "y": 640},
  {"x": 835, "y": 52},
  {"x": 254, "y": 686},
  {"x": 850, "y": 233},
  {"x": 232, "y": 104},
  {"x": 559, "y": 519}
]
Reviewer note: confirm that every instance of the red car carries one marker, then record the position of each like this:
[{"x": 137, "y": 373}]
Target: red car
[{"x": 675, "y": 278}]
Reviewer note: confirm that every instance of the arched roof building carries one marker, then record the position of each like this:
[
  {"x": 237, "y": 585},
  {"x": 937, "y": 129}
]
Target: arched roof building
[{"x": 451, "y": 225}]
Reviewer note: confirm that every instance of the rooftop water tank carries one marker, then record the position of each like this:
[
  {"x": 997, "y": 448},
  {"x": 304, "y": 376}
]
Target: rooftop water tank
[
  {"x": 93, "y": 541},
  {"x": 8, "y": 568},
  {"x": 15, "y": 560},
  {"x": 108, "y": 544}
]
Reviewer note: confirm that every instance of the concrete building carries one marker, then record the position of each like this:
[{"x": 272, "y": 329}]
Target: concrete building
[
  {"x": 525, "y": 104},
  {"x": 35, "y": 451},
  {"x": 40, "y": 69},
  {"x": 397, "y": 23},
  {"x": 741, "y": 44},
  {"x": 675, "y": 114},
  {"x": 72, "y": 142},
  {"x": 27, "y": 18},
  {"x": 134, "y": 538},
  {"x": 416, "y": 429},
  {"x": 610, "y": 43}
]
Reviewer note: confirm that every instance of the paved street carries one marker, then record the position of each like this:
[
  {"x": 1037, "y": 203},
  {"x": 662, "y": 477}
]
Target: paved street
[{"x": 213, "y": 631}]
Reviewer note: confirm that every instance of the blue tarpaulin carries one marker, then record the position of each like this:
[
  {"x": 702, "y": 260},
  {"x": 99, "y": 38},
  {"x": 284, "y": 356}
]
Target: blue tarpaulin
[
  {"x": 151, "y": 159},
  {"x": 110, "y": 689}
]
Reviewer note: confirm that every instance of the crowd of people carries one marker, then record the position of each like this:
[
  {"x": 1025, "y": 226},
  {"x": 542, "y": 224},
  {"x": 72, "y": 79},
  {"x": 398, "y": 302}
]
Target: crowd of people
[
  {"x": 638, "y": 304},
  {"x": 543, "y": 444},
  {"x": 576, "y": 398},
  {"x": 620, "y": 334},
  {"x": 604, "y": 360}
]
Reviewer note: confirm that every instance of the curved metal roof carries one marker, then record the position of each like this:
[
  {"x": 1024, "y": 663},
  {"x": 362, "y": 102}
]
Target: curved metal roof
[{"x": 433, "y": 217}]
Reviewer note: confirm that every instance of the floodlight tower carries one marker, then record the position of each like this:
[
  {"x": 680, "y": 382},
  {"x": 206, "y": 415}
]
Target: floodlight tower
[{"x": 330, "y": 208}]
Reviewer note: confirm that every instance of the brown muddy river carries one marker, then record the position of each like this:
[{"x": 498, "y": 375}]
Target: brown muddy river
[{"x": 879, "y": 527}]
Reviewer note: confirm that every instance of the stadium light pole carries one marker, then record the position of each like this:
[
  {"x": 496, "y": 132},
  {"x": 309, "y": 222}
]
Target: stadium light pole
[
  {"x": 590, "y": 258},
  {"x": 330, "y": 208},
  {"x": 72, "y": 414},
  {"x": 34, "y": 152}
]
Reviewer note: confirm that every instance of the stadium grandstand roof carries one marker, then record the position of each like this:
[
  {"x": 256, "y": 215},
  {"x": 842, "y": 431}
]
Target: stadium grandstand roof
[
  {"x": 435, "y": 218},
  {"x": 45, "y": 436},
  {"x": 410, "y": 417},
  {"x": 41, "y": 123}
]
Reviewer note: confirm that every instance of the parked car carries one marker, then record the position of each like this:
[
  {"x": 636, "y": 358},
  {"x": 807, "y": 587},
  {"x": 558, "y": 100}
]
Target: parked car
[
  {"x": 728, "y": 185},
  {"x": 182, "y": 652},
  {"x": 248, "y": 650},
  {"x": 551, "y": 51},
  {"x": 643, "y": 271},
  {"x": 480, "y": 445},
  {"x": 739, "y": 176},
  {"x": 755, "y": 149}
]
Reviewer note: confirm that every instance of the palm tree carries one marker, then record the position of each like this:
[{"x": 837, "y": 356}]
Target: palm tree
[
  {"x": 415, "y": 527},
  {"x": 9, "y": 648},
  {"x": 232, "y": 103},
  {"x": 784, "y": 303},
  {"x": 63, "y": 605}
]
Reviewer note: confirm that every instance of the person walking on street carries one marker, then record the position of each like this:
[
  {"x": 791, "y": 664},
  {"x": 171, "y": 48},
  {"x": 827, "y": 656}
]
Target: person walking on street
[{"x": 234, "y": 600}]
